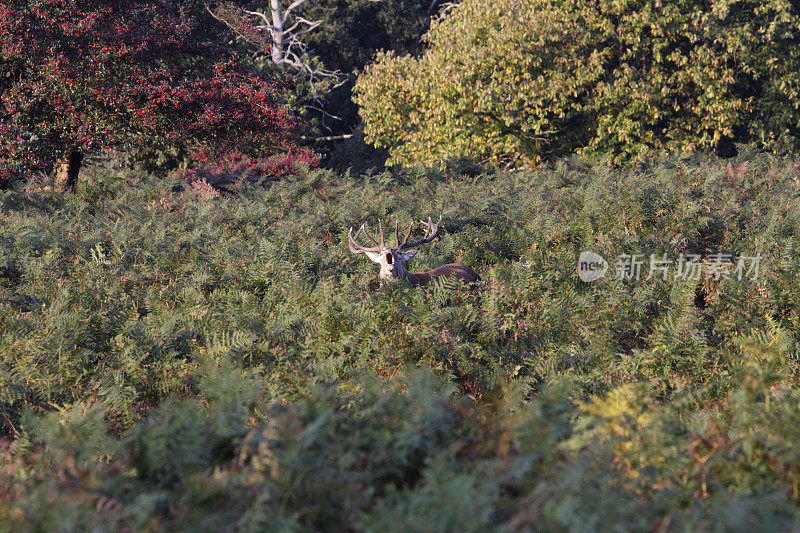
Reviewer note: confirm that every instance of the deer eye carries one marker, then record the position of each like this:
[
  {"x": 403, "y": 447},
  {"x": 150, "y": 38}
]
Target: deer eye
[{"x": 389, "y": 258}]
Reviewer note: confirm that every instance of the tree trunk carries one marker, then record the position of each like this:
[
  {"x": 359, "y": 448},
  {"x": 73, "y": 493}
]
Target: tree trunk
[
  {"x": 67, "y": 171},
  {"x": 277, "y": 32}
]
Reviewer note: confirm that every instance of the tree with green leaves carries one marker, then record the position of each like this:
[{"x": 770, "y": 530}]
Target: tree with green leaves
[{"x": 512, "y": 82}]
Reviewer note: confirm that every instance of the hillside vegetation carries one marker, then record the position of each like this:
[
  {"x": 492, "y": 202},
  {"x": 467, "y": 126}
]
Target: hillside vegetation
[{"x": 175, "y": 358}]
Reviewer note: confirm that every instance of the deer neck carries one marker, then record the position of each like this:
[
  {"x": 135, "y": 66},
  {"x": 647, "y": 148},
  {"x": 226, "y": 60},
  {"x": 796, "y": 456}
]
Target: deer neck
[
  {"x": 416, "y": 278},
  {"x": 400, "y": 271}
]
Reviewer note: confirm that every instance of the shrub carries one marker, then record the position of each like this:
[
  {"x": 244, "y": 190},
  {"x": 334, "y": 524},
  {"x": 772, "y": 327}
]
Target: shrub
[{"x": 80, "y": 77}]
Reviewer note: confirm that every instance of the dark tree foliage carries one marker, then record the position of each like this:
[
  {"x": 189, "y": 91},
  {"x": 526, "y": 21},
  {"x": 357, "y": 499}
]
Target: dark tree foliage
[
  {"x": 352, "y": 32},
  {"x": 78, "y": 76}
]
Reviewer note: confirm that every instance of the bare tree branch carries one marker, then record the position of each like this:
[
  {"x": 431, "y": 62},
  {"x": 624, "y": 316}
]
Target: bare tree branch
[
  {"x": 262, "y": 16},
  {"x": 300, "y": 20},
  {"x": 328, "y": 138},
  {"x": 292, "y": 7}
]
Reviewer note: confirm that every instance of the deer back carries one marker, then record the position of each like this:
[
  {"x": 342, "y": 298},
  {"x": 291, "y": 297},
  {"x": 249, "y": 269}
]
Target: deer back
[{"x": 462, "y": 272}]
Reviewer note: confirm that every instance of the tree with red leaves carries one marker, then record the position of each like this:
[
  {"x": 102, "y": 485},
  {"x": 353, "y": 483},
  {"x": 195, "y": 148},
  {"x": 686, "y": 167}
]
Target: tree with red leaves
[{"x": 78, "y": 76}]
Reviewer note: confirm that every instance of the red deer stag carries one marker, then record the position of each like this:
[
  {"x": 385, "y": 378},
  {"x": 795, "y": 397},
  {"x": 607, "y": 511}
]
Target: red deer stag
[{"x": 392, "y": 260}]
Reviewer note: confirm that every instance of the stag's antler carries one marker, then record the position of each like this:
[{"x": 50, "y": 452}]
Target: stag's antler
[
  {"x": 431, "y": 233},
  {"x": 352, "y": 240}
]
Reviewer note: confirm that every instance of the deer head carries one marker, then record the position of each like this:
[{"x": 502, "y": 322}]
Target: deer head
[{"x": 391, "y": 260}]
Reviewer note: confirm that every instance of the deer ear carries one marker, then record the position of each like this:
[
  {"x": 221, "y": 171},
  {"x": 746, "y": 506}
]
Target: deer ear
[
  {"x": 406, "y": 256},
  {"x": 376, "y": 257}
]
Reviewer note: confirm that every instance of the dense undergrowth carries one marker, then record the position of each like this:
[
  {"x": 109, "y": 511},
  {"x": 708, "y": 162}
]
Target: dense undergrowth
[{"x": 173, "y": 358}]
